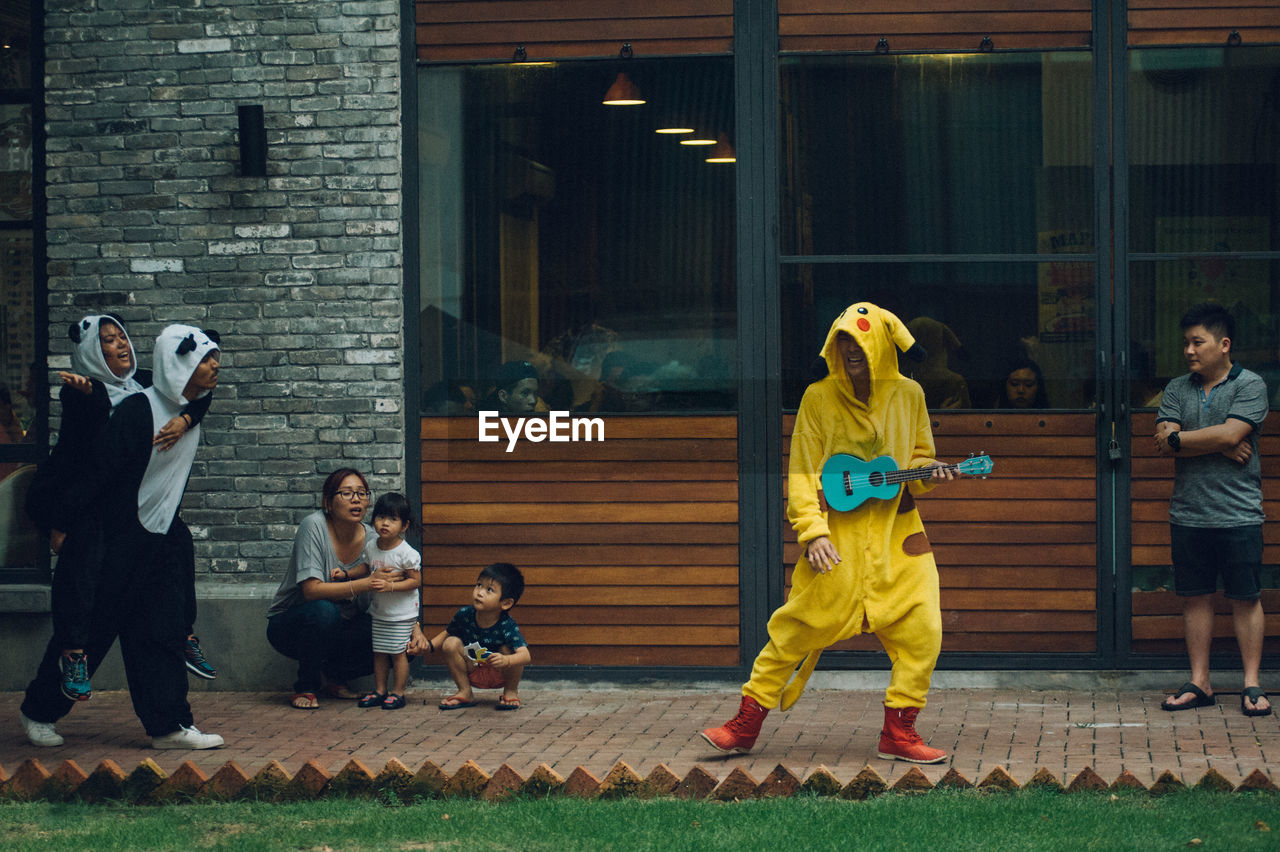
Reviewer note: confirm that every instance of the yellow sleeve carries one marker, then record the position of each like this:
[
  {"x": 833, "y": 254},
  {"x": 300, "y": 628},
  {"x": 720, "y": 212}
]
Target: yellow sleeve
[
  {"x": 807, "y": 456},
  {"x": 924, "y": 452}
]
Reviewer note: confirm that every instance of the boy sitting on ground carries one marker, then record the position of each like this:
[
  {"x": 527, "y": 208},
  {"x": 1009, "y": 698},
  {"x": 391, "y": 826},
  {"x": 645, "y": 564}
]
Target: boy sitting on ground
[{"x": 482, "y": 645}]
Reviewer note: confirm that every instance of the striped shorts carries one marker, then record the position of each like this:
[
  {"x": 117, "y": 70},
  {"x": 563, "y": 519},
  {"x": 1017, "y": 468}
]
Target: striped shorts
[{"x": 392, "y": 637}]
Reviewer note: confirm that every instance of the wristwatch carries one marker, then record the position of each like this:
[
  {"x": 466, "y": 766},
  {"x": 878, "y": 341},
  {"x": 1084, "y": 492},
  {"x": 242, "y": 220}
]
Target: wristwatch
[{"x": 1174, "y": 441}]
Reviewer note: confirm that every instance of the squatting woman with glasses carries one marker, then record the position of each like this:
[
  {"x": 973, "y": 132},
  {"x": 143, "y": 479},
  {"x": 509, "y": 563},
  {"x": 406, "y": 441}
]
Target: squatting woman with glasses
[{"x": 318, "y": 616}]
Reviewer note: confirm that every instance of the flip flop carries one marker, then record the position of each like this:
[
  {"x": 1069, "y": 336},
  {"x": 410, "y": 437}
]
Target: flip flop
[
  {"x": 1200, "y": 700},
  {"x": 305, "y": 696},
  {"x": 505, "y": 703},
  {"x": 1253, "y": 693},
  {"x": 453, "y": 702}
]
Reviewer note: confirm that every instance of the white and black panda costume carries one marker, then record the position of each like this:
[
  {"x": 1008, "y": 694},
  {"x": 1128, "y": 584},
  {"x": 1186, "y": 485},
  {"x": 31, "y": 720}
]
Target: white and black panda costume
[
  {"x": 58, "y": 499},
  {"x": 147, "y": 549}
]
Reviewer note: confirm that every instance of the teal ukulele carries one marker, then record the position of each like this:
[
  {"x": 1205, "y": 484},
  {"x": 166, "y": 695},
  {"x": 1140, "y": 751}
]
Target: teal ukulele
[{"x": 848, "y": 482}]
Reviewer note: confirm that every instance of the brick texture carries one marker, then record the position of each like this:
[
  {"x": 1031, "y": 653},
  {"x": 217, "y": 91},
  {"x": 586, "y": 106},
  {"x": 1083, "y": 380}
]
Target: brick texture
[{"x": 301, "y": 271}]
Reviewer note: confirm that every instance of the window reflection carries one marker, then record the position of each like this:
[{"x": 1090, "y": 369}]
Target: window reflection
[
  {"x": 570, "y": 235},
  {"x": 937, "y": 153},
  {"x": 991, "y": 343},
  {"x": 1204, "y": 141}
]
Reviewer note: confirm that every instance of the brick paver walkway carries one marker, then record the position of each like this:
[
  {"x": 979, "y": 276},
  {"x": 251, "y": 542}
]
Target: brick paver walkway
[{"x": 566, "y": 726}]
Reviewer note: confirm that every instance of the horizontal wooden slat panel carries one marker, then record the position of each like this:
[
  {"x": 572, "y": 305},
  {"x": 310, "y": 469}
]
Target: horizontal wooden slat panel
[
  {"x": 443, "y": 469},
  {"x": 547, "y": 654},
  {"x": 577, "y": 534},
  {"x": 584, "y": 513},
  {"x": 579, "y": 554},
  {"x": 919, "y": 25},
  {"x": 1167, "y": 603},
  {"x": 1017, "y": 551},
  {"x": 586, "y": 492},
  {"x": 633, "y": 539},
  {"x": 479, "y": 30},
  {"x": 462, "y": 577},
  {"x": 955, "y": 641},
  {"x": 543, "y": 616},
  {"x": 1202, "y": 22},
  {"x": 1171, "y": 627}
]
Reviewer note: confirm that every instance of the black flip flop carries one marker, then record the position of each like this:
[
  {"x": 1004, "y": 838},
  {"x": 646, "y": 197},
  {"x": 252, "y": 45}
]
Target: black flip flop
[
  {"x": 1253, "y": 693},
  {"x": 1200, "y": 700}
]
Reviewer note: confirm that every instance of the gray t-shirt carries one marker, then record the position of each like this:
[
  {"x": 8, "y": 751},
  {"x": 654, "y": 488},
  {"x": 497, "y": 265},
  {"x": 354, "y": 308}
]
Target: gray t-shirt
[
  {"x": 1212, "y": 490},
  {"x": 314, "y": 556}
]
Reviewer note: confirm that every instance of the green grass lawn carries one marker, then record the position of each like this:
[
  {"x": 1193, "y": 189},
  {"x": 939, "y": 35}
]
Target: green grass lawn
[{"x": 1029, "y": 819}]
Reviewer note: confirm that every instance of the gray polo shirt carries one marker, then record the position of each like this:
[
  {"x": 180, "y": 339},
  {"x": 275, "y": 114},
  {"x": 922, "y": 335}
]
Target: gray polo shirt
[{"x": 1212, "y": 490}]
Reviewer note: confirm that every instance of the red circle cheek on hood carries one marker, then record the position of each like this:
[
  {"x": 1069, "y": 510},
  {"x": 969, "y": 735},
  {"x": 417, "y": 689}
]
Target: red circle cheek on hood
[{"x": 863, "y": 325}]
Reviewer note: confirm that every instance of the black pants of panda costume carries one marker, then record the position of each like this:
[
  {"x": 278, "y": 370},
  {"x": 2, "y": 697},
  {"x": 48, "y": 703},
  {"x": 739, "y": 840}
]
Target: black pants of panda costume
[{"x": 141, "y": 600}]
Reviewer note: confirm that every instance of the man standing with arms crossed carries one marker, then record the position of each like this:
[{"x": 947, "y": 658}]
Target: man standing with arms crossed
[{"x": 1208, "y": 423}]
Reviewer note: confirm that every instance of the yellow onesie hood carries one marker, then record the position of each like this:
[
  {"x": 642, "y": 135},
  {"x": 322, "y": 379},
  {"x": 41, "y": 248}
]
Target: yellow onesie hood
[{"x": 880, "y": 334}]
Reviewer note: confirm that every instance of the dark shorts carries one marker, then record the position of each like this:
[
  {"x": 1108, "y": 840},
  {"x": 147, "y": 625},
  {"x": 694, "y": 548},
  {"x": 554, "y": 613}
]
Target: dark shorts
[{"x": 1201, "y": 555}]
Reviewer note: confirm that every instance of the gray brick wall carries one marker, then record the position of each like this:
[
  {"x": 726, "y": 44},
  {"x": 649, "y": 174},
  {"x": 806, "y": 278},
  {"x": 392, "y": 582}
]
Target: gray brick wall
[{"x": 300, "y": 271}]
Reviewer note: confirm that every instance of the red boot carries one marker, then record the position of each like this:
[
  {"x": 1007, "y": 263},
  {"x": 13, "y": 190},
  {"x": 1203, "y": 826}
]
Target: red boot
[
  {"x": 899, "y": 740},
  {"x": 740, "y": 732}
]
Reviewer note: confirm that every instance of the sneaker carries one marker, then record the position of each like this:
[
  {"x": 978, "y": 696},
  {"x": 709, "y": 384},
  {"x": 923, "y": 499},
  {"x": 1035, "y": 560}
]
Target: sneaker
[
  {"x": 393, "y": 702},
  {"x": 740, "y": 732},
  {"x": 40, "y": 733},
  {"x": 187, "y": 737},
  {"x": 196, "y": 663},
  {"x": 899, "y": 740},
  {"x": 75, "y": 676}
]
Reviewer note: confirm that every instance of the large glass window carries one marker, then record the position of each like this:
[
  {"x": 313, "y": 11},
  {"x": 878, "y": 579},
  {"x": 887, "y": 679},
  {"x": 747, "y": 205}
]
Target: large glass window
[
  {"x": 21, "y": 313},
  {"x": 979, "y": 322},
  {"x": 976, "y": 172},
  {"x": 574, "y": 236},
  {"x": 1204, "y": 209}
]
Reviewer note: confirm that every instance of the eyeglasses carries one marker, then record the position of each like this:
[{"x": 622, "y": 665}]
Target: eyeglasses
[{"x": 354, "y": 495}]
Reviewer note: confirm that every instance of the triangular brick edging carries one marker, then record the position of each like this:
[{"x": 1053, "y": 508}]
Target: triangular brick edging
[{"x": 148, "y": 783}]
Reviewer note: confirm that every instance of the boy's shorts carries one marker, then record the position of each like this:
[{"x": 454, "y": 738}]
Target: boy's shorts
[
  {"x": 1201, "y": 554},
  {"x": 485, "y": 677}
]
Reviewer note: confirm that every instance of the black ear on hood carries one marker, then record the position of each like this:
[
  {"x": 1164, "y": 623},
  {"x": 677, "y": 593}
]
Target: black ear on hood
[
  {"x": 917, "y": 353},
  {"x": 73, "y": 332},
  {"x": 213, "y": 335},
  {"x": 188, "y": 344}
]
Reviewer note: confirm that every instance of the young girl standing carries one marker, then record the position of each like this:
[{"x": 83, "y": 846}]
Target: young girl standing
[{"x": 396, "y": 575}]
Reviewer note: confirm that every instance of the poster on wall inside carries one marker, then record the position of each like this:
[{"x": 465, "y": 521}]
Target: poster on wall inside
[{"x": 1068, "y": 308}]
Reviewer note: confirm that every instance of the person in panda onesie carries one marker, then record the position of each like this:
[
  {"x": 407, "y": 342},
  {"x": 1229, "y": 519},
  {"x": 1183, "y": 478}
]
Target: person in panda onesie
[
  {"x": 867, "y": 569},
  {"x": 104, "y": 371},
  {"x": 147, "y": 552}
]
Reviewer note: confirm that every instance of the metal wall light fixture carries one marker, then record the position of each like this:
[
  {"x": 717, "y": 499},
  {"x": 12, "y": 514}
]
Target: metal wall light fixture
[{"x": 253, "y": 141}]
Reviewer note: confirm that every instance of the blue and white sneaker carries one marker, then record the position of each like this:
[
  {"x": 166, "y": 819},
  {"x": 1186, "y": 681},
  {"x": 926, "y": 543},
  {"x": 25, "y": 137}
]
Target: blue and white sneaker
[
  {"x": 75, "y": 676},
  {"x": 194, "y": 657}
]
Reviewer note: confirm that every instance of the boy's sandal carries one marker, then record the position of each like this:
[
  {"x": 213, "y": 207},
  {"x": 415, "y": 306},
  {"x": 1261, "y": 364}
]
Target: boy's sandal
[
  {"x": 1200, "y": 700},
  {"x": 453, "y": 702},
  {"x": 393, "y": 702},
  {"x": 371, "y": 699},
  {"x": 505, "y": 703},
  {"x": 1253, "y": 693},
  {"x": 305, "y": 701},
  {"x": 340, "y": 690}
]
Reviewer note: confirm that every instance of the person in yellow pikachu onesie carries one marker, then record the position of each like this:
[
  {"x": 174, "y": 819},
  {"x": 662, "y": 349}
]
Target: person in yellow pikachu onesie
[{"x": 867, "y": 569}]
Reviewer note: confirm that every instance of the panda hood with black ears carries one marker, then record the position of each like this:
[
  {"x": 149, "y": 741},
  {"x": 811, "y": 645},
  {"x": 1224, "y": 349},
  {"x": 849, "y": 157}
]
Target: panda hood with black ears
[
  {"x": 179, "y": 351},
  {"x": 87, "y": 358}
]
